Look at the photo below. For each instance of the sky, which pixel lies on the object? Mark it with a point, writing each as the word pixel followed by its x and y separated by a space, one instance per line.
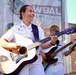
pixel 71 11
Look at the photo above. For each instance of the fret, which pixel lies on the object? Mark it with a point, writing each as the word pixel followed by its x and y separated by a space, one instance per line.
pixel 60 49
pixel 38 43
pixel 45 40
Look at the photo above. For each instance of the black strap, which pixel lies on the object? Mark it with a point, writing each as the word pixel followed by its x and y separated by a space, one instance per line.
pixel 57 42
pixel 35 32
pixel 54 48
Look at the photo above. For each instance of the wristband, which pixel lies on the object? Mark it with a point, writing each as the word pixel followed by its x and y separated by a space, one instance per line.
pixel 72 49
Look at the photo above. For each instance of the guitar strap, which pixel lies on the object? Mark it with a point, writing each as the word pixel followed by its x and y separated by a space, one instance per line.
pixel 57 42
pixel 35 32
pixel 54 48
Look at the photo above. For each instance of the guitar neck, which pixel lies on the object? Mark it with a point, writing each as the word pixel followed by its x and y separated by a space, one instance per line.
pixel 57 51
pixel 38 43
pixel 60 33
pixel 67 31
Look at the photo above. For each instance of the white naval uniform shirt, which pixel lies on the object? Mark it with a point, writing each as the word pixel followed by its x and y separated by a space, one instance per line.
pixel 57 68
pixel 23 30
pixel 60 54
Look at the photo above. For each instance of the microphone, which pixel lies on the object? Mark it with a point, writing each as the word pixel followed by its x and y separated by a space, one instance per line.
pixel 73 47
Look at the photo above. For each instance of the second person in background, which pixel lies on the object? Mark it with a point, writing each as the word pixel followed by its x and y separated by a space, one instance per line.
pixel 56 68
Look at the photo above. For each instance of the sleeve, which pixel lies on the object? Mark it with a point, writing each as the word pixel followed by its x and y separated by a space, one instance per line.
pixel 9 34
pixel 65 49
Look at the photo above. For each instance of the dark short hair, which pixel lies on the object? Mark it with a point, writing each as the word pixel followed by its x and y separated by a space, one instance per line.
pixel 55 27
pixel 23 9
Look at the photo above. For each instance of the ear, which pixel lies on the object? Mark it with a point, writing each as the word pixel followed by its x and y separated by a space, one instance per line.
pixel 22 13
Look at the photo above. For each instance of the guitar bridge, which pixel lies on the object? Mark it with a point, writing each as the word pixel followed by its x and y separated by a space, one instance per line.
pixel 19 57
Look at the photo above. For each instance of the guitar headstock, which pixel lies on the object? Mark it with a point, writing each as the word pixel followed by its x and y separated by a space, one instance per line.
pixel 69 30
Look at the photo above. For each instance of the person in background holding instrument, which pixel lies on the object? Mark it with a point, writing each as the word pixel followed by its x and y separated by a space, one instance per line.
pixel 55 67
pixel 25 29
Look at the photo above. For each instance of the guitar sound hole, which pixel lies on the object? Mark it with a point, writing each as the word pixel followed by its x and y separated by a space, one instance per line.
pixel 23 50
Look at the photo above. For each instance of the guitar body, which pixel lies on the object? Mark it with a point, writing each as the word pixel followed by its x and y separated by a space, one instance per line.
pixel 8 65
pixel 49 58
